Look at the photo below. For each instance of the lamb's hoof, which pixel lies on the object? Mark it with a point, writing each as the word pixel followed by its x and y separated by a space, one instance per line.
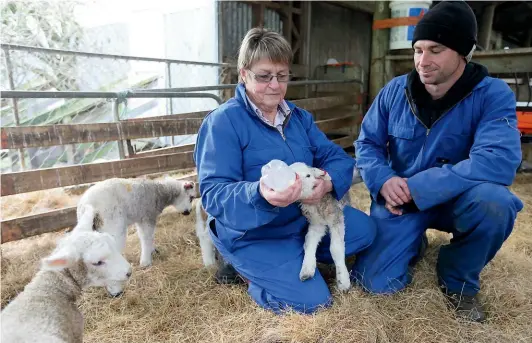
pixel 209 263
pixel 144 265
pixel 116 295
pixel 343 285
pixel 306 273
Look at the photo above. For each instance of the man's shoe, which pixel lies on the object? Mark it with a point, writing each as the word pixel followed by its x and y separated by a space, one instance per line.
pixel 226 273
pixel 466 307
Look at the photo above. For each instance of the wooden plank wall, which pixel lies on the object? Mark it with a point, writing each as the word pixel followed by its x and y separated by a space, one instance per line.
pixel 51 221
pixel 142 163
pixel 173 125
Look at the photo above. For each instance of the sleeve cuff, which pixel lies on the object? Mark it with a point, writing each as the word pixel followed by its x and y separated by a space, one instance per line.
pixel 376 189
pixel 258 200
pixel 340 187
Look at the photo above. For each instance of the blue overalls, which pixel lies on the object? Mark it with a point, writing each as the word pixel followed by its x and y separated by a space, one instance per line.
pixel 264 243
pixel 457 174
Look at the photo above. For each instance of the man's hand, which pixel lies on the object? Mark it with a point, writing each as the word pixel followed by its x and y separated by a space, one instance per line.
pixel 395 191
pixel 394 210
pixel 321 187
pixel 284 198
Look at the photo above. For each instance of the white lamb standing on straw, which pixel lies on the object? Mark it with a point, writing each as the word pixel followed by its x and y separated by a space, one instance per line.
pixel 46 310
pixel 116 203
pixel 327 214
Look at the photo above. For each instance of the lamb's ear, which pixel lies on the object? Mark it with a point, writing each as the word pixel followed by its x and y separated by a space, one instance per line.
pixel 58 260
pixel 188 185
pixel 321 174
pixel 317 172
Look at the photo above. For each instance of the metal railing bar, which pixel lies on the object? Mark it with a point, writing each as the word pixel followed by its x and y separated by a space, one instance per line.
pixel 113 56
pixel 94 95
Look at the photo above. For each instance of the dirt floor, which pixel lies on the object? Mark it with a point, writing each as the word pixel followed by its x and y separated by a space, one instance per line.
pixel 177 300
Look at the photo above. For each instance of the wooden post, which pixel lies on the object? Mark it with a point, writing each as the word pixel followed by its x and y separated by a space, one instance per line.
pixel 486 24
pixel 116 116
pixel 288 21
pixel 9 68
pixel 379 48
pixel 305 20
pixel 528 41
pixel 257 14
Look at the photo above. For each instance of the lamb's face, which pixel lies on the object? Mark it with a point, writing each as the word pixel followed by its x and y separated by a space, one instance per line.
pixel 183 203
pixel 106 266
pixel 93 259
pixel 308 176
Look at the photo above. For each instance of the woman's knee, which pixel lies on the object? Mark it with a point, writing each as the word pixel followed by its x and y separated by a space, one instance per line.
pixel 314 303
pixel 306 299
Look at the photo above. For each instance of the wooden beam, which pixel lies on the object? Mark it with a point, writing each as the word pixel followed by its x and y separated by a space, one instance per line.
pixel 295 31
pixel 336 123
pixel 379 48
pixel 51 221
pixel 528 39
pixel 172 125
pixel 35 180
pixel 315 104
pixel 276 6
pixel 486 24
pixel 345 142
pixel 287 21
pixel 80 189
pixel 305 25
pixel 49 135
pixel 363 6
pixel 257 14
pixel 297 46
pixel 164 151
pixel 36 224
pixel 517 60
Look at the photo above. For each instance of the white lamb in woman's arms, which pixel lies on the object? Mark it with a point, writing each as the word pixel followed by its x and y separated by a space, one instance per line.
pixel 327 214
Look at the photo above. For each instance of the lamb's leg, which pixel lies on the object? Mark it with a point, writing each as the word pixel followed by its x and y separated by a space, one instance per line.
pixel 118 229
pixel 121 238
pixel 337 249
pixel 312 239
pixel 206 245
pixel 146 232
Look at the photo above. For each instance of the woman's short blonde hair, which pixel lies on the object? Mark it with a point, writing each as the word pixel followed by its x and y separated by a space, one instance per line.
pixel 261 43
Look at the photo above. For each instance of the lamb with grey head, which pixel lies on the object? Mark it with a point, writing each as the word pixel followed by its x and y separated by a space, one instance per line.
pixel 116 203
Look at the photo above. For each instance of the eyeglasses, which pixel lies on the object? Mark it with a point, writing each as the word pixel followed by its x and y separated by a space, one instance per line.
pixel 266 78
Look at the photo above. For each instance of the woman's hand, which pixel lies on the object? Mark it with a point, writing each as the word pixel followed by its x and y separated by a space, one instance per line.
pixel 321 187
pixel 284 198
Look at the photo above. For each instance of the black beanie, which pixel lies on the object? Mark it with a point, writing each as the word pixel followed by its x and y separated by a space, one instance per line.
pixel 451 23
